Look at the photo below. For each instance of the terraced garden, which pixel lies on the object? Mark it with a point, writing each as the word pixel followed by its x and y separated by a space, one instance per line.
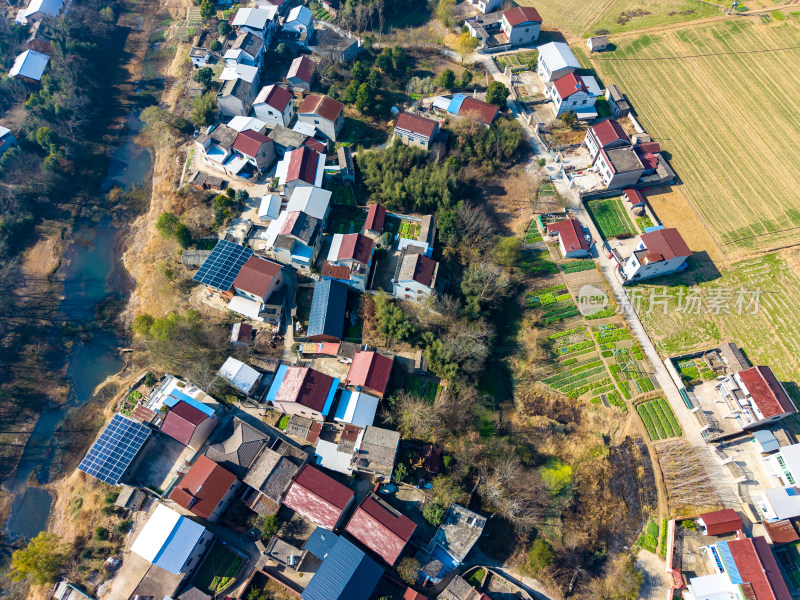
pixel 611 218
pixel 694 370
pixel 555 302
pixel 625 359
pixel 537 262
pixel 532 234
pixel 658 419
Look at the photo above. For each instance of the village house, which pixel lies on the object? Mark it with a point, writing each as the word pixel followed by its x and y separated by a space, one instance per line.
pixel 300 167
pixel 258 291
pixel 467 107
pixel 294 238
pixel 206 490
pixel 415 130
pixel 658 253
pixel 242 334
pixel 324 113
pixel 500 32
pixel 338 45
pixel 574 93
pixel 29 66
pixel 460 589
pixel 346 573
pixel 422 238
pixel 349 260
pixel 302 391
pixel 486 6
pixel 370 372
pixel 247 49
pixel 617 102
pixel 304 429
pixel 274 105
pixel 271 475
pixel 571 239
pixel 255 148
pixel 555 61
pixel 457 534
pixel 270 208
pixel 376 218
pixel 376 453
pixel 189 425
pixel 301 73
pixel 37 10
pixel 328 309
pixel 597 43
pixel 216 146
pixel 200 57
pixel 299 25
pixel 260 21
pixel 719 522
pixel 314 201
pixel 235 97
pixel 241 376
pixel 205 182
pixel 381 528
pixel 356 408
pixel 317 497
pixel 286 139
pixel 619 167
pixel 7 140
pixel 237 445
pixel 415 277
pixel 172 542
pixel 779 504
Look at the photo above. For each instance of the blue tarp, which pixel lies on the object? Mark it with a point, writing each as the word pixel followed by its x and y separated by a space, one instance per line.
pixel 455 104
pixel 654 228
pixel 276 383
pixel 176 396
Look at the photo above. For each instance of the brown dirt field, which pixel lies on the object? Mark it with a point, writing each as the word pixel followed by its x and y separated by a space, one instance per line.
pixel 43 258
pixel 674 210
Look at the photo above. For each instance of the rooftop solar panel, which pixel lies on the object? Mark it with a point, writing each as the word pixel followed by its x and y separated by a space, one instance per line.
pixel 222 266
pixel 115 449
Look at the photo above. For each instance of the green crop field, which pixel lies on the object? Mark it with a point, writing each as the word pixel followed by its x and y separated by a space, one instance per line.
pixel 658 419
pixel 722 98
pixel 610 217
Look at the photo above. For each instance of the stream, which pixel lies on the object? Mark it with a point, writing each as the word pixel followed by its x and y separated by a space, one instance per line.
pixel 92 271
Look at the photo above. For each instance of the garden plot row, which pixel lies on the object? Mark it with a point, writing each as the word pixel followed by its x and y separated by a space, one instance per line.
pixel 694 370
pixel 658 419
pixel 611 218
pixel 532 234
pixel 576 266
pixel 537 262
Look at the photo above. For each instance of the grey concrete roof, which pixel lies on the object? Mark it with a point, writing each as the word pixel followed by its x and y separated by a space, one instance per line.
pixel 459 531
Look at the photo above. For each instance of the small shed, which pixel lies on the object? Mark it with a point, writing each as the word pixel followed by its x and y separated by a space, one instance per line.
pixel 766 440
pixel 720 522
pixel 346 168
pixel 597 43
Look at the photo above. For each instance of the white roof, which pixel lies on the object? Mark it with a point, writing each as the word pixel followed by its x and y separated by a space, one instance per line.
pixel 245 307
pixel 592 85
pixel 300 13
pixel 255 18
pixel 155 533
pixel 336 243
pixel 241 124
pixel 766 440
pixel 557 55
pixel 4 131
pixel 784 506
pixel 273 229
pixel 442 102
pixel 360 410
pixel 240 375
pixel 713 587
pixel 270 207
pixel 48 7
pixel 30 64
pixel 791 456
pixel 245 72
pixel 282 168
pixel 329 457
pixel 305 128
pixel 311 200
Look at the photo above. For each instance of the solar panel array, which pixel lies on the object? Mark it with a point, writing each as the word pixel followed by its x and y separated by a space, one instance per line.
pixel 115 449
pixel 223 265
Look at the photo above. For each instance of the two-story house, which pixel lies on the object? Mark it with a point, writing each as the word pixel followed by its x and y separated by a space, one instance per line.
pixel 239 89
pixel 299 25
pixel 350 260
pixel 261 21
pixel 415 277
pixel 486 6
pixel 258 291
pixel 313 201
pixel 324 113
pixel 247 49
pixel 302 391
pixel 256 148
pixel 216 145
pixel 574 93
pixel 274 105
pixel 555 61
pixel 658 253
pixel 294 238
pixel 300 167
pixel 619 167
pixel 415 130
pixel 605 135
pixel 521 25
pixel 301 73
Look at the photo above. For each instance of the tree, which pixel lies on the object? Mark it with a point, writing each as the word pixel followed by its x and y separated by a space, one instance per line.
pixel 434 513
pixel 569 118
pixel 142 324
pixel 183 236
pixel 359 73
pixel 466 44
pixel 167 224
pixel 484 285
pixel 350 92
pixel 400 472
pixel 540 557
pixel 364 98
pixel 392 321
pixel 444 12
pixel 269 526
pixel 466 78
pixel 207 9
pixel 282 52
pixel 384 61
pixel 399 58
pixel 408 569
pixel 507 251
pixel 204 109
pixel 374 79
pixel 204 76
pixel 215 46
pixel 41 560
pixel 47 139
pixel 101 533
pixel 447 79
pixel 107 14
pixel 224 28
pixel 497 93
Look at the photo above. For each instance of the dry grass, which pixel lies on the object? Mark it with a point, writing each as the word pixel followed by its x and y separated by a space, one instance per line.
pixel 729 122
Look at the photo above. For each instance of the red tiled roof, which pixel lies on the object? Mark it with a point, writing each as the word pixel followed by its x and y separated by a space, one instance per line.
pixel 721 522
pixel 569 84
pixel 649 161
pixel 666 242
pixel 256 276
pixel 244 333
pixel 335 271
pixel 424 268
pixel 356 247
pixel 376 216
pixel 380 529
pixel 766 391
pixel 306 387
pixel 323 106
pixel 313 432
pixel 317 497
pixel 478 110
pixel 571 234
pixel 781 532
pixel 370 370
pixel 249 142
pixel 302 68
pixel 609 131
pixel 289 223
pixel 416 124
pixel 757 566
pixel 634 196
pixel 274 96
pixel 413 595
pixel 181 421
pixel 303 164
pixel 203 487
pixel 315 144
pixel 650 147
pixel 522 14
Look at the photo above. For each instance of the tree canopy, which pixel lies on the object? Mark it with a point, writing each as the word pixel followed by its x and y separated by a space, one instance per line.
pixel 41 561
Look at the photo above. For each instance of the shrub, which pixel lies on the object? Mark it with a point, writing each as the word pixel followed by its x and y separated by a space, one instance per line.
pixel 123 526
pixel 434 513
pixel 101 533
pixel 283 422
pixel 408 569
pixel 540 557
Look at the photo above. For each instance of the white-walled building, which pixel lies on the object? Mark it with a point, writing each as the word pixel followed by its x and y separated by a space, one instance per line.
pixel 555 61
pixel 274 105
pixel 574 93
pixel 658 253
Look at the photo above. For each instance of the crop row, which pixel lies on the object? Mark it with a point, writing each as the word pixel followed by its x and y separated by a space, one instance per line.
pixel 574 372
pixel 644 384
pixel 577 392
pixel 575 347
pixel 577 266
pixel 567 383
pixel 558 308
pixel 561 317
pixel 603 314
pixel 560 334
pixel 658 419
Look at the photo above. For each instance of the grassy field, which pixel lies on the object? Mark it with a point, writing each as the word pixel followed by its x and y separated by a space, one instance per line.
pixel 728 120
pixel 582 18
pixel 720 312
pixel 610 217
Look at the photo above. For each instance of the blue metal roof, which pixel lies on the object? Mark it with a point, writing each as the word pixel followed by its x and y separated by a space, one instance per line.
pixel 179 545
pixel 345 574
pixel 331 393
pixel 344 402
pixel 276 383
pixel 327 309
pixel 222 266
pixel 654 228
pixel 730 564
pixel 455 104
pixel 176 396
pixel 321 542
